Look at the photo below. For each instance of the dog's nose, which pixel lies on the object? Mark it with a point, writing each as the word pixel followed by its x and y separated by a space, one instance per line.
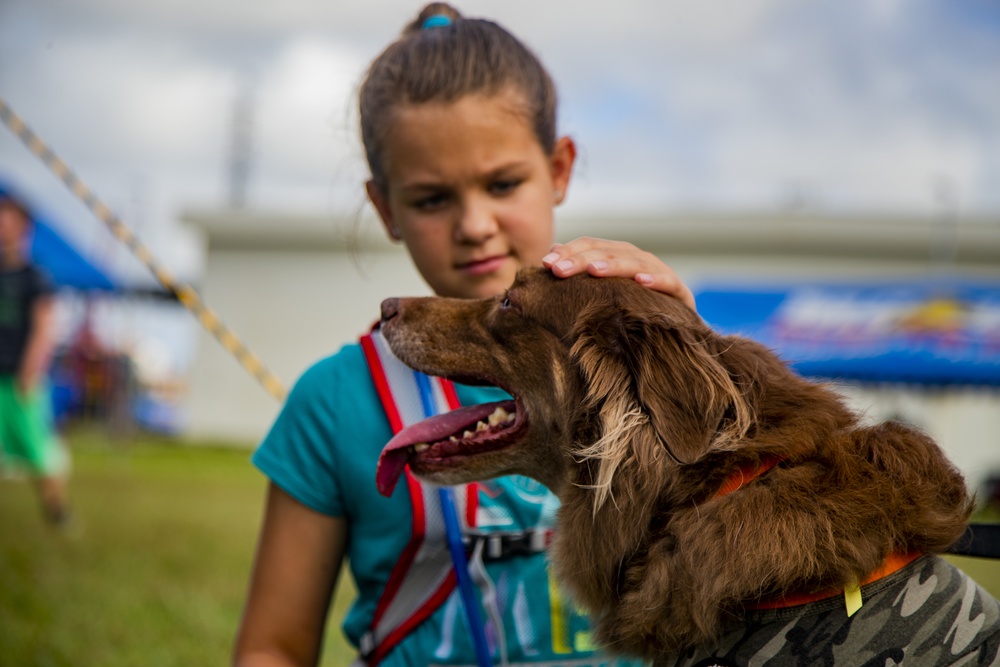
pixel 390 308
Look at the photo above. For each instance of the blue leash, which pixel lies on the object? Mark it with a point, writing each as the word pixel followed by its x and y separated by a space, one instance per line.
pixel 455 544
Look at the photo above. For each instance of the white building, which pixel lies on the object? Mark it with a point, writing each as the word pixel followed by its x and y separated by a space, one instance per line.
pixel 296 288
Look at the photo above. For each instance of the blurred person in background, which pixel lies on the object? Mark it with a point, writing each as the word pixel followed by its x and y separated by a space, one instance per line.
pixel 28 440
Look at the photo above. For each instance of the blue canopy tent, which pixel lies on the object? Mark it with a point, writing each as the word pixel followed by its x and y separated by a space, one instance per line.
pixel 918 332
pixel 64 264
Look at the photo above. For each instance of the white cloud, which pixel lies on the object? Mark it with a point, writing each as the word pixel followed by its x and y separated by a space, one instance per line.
pixel 852 104
pixel 305 112
pixel 715 103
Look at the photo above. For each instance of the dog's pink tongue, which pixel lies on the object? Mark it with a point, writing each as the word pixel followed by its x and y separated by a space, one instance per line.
pixel 396 454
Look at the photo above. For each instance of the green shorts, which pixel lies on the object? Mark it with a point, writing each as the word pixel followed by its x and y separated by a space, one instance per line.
pixel 27 439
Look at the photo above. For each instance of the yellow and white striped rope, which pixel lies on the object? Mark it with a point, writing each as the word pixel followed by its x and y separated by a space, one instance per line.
pixel 185 293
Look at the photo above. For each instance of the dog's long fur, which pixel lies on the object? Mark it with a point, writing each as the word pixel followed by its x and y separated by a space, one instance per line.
pixel 635 413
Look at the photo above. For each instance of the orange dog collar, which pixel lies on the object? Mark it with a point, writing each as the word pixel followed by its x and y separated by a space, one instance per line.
pixel 852 594
pixel 894 563
pixel 743 476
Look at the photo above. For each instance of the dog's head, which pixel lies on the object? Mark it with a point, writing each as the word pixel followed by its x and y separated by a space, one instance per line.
pixel 602 371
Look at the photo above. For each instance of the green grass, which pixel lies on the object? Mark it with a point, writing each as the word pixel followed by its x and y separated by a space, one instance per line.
pixel 158 575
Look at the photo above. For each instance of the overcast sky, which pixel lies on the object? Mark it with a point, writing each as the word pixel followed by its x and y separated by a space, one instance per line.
pixel 838 105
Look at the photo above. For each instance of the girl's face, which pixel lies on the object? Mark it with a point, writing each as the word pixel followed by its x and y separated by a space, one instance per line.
pixel 470 191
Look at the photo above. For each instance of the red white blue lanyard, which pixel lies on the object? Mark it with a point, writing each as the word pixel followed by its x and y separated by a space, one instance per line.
pixel 456 546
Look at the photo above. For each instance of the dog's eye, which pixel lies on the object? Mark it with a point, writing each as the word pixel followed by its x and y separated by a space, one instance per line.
pixel 507 303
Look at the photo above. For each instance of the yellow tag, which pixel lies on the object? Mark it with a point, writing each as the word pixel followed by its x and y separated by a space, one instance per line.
pixel 852 598
pixel 560 626
pixel 583 641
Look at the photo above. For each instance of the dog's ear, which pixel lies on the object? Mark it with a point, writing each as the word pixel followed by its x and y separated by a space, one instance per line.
pixel 669 373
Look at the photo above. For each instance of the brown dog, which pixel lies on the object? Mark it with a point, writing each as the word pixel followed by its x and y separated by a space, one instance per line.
pixel 715 506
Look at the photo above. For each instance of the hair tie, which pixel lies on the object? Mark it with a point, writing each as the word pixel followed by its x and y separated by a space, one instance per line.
pixel 436 21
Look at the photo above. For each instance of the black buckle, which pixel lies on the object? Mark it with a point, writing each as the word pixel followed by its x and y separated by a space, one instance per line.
pixel 980 540
pixel 501 545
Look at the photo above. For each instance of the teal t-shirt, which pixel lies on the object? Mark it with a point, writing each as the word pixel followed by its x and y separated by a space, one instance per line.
pixel 323 450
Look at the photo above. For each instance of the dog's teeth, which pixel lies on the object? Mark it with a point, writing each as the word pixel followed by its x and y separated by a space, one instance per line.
pixel 480 427
pixel 509 417
pixel 498 416
pixel 468 434
pixel 453 438
pixel 421 447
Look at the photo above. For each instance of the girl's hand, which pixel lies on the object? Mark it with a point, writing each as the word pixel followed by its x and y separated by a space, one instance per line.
pixel 603 258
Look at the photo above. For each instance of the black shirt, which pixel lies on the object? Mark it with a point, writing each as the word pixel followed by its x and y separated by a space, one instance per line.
pixel 20 290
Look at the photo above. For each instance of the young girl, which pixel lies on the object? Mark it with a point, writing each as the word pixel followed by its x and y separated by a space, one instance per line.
pixel 458 123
